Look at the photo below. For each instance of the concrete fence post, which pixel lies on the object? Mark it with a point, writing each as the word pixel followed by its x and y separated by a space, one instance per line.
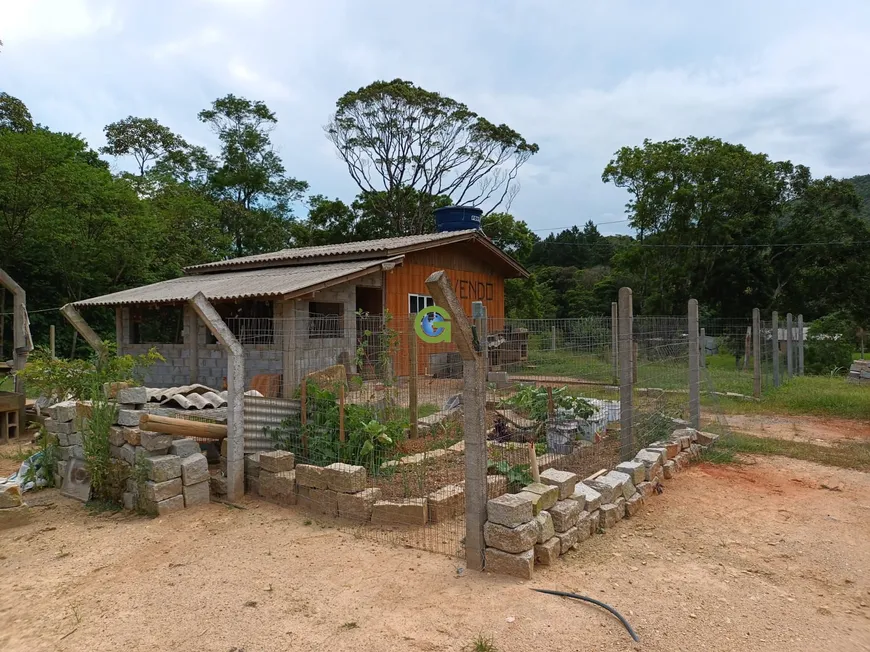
pixel 473 419
pixel 694 367
pixel 614 339
pixel 235 394
pixel 774 330
pixel 756 353
pixel 553 344
pixel 789 345
pixel 626 340
pixel 800 335
pixel 703 346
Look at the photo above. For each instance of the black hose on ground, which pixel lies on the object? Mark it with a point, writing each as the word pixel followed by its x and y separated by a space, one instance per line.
pixel 596 602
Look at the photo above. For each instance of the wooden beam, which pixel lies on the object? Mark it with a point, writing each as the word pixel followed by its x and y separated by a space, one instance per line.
pixel 439 288
pixel 182 427
pixel 83 328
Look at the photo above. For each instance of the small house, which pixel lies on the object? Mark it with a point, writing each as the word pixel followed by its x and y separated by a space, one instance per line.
pixel 303 309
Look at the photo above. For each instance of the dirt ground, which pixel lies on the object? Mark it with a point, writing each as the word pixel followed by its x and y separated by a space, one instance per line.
pixel 822 431
pixel 751 557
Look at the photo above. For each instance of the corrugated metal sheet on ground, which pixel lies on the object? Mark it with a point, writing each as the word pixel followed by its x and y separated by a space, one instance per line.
pixel 275 281
pixel 191 397
pixel 262 413
pixel 348 248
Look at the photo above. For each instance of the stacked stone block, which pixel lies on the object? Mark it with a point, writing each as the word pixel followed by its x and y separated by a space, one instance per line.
pixel 562 512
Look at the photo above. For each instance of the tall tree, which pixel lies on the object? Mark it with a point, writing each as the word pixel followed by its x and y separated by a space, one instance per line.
pixel 14 114
pixel 145 139
pixel 395 136
pixel 249 179
pixel 509 234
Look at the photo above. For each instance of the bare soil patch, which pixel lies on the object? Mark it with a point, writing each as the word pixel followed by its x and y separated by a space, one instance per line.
pixel 822 431
pixel 752 557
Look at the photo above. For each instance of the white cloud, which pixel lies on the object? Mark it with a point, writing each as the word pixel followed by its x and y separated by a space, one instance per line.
pixel 50 19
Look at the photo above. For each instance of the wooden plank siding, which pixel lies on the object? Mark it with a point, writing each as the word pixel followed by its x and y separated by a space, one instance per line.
pixel 472 278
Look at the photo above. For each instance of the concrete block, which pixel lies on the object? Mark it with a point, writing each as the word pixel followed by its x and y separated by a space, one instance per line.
pixel 184 447
pixel 607 516
pixel 634 504
pixel 252 465
pixel 563 480
pixel 343 478
pixel 10 496
pixel 620 508
pixel 496 485
pixel 14 517
pixel 549 495
pixel 412 511
pixel 62 412
pixel 163 467
pixel 134 395
pixel 548 552
pixel 707 438
pixel 358 506
pixel 510 510
pixel 128 418
pixel 115 452
pixel 278 487
pixel 634 470
pixel 132 436
pixel 321 501
pixel 504 563
pixel 627 484
pixel 116 436
pixel 445 504
pixel 129 500
pixel 218 485
pixel 77 452
pixel 194 469
pixel 685 433
pixel 587 524
pixel 565 514
pixel 685 441
pixel 661 452
pixel 157 491
pixel 58 427
pixel 669 469
pixel 536 499
pixel 609 486
pixel 72 439
pixel 164 507
pixel 308 475
pixel 567 539
pixel 155 441
pixel 277 461
pixel 594 520
pixel 196 494
pixel 646 489
pixel 546 530
pixel 128 454
pixel 652 462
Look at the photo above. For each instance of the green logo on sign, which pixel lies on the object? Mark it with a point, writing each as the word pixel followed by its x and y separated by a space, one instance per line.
pixel 432 325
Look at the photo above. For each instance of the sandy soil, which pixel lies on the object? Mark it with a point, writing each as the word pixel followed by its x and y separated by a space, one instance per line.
pixel 821 431
pixel 755 557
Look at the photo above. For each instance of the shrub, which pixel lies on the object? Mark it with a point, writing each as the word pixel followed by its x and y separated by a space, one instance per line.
pixel 829 345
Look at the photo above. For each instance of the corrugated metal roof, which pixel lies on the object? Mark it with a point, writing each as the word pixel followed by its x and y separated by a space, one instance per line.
pixel 387 245
pixel 273 281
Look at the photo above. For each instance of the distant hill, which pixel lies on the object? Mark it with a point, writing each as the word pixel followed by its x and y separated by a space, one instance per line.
pixel 862 186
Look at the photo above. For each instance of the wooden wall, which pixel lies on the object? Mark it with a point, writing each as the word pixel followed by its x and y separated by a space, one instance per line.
pixel 472 278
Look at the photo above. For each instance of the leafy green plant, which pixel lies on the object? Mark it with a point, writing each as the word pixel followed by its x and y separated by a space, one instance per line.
pixel 76 378
pixel 829 346
pixel 481 644
pixel 533 402
pixel 517 475
pixel 373 433
pixel 95 441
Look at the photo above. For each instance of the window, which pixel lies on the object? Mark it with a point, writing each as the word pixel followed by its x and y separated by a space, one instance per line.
pixel 417 302
pixel 250 321
pixel 156 324
pixel 325 320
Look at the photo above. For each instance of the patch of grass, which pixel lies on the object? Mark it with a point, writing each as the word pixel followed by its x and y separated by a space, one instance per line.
pixel 825 396
pixel 350 625
pixel 847 456
pixel 482 644
pixel 19 455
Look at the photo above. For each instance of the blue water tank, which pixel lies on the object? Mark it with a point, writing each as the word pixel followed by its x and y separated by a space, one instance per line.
pixel 457 218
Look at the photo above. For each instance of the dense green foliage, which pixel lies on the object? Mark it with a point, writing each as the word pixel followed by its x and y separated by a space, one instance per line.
pixel 829 346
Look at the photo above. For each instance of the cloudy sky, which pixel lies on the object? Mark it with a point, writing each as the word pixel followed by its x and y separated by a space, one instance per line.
pixel 581 78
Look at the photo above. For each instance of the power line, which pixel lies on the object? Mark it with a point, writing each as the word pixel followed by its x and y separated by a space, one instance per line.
pixel 715 246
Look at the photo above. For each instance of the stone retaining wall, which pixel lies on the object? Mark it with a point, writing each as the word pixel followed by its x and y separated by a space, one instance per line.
pixel 548 519
pixel 158 473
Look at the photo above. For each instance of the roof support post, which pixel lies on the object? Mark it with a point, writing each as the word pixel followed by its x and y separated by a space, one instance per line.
pixel 235 394
pixel 473 418
pixel 21 341
pixel 84 329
